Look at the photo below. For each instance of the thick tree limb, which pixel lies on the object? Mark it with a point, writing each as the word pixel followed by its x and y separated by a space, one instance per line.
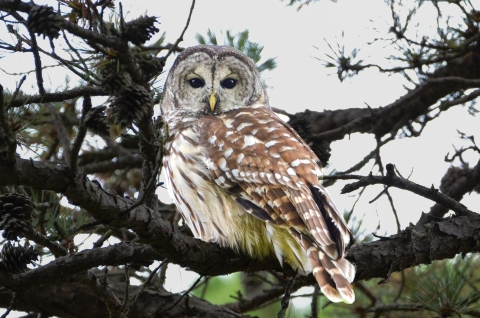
pixel 464 181
pixel 64 267
pixel 460 73
pixel 376 259
pixel 122 162
pixel 148 224
pixel 74 300
pixel 437 241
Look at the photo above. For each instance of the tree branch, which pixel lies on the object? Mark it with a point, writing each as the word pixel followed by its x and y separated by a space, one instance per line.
pixel 460 73
pixel 58 96
pixel 401 183
pixel 456 183
pixel 437 241
pixel 446 238
pixel 72 300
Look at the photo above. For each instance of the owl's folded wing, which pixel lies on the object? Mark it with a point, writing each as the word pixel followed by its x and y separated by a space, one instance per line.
pixel 273 174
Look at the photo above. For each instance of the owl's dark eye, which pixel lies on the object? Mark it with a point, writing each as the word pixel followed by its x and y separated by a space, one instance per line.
pixel 228 83
pixel 196 82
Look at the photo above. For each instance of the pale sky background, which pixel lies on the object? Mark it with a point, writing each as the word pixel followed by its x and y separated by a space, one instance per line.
pixel 301 82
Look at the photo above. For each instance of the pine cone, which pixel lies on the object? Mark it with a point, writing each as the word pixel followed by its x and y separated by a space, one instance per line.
pixel 96 121
pixel 15 215
pixel 16 258
pixel 151 66
pixel 115 82
pixel 132 104
pixel 140 30
pixel 43 20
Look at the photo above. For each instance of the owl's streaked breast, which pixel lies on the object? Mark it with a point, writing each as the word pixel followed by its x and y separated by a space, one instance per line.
pixel 202 203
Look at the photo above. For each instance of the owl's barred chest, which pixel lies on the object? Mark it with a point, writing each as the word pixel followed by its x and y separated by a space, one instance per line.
pixel 208 209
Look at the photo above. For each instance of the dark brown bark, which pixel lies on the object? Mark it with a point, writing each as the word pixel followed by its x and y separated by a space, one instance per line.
pixel 148 224
pixel 75 300
pixel 436 241
pixel 378 259
pixel 372 260
pixel 321 128
pixel 464 181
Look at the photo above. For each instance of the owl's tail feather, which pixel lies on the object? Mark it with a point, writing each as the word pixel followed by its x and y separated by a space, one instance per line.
pixel 333 277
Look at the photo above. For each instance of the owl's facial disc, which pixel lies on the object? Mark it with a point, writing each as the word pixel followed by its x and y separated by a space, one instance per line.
pixel 213 80
pixel 219 86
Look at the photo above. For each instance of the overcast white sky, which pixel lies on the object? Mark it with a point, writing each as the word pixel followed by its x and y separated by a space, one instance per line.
pixel 302 82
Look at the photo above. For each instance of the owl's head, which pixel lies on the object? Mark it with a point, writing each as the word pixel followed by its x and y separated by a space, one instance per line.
pixel 211 80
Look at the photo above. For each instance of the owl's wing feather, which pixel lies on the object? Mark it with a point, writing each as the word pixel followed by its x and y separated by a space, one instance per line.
pixel 318 225
pixel 334 221
pixel 333 277
pixel 275 177
pixel 255 210
pixel 275 170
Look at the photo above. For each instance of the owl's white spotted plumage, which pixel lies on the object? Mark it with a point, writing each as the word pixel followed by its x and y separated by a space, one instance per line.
pixel 243 178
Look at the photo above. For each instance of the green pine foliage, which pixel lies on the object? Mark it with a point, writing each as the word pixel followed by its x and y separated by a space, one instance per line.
pixel 241 42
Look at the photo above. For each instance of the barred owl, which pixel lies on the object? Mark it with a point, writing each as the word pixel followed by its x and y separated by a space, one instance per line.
pixel 243 178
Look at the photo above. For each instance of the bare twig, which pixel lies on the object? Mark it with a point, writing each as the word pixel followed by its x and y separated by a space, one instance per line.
pixel 379 195
pixel 38 63
pixel 38 238
pixel 445 105
pixel 367 292
pixel 103 238
pixel 58 96
pixel 17 90
pixel 395 307
pixel 184 294
pixel 85 227
pixel 286 298
pixel 151 183
pixel 398 182
pixel 103 291
pixel 314 303
pixel 159 48
pixel 79 57
pixel 180 38
pixel 61 132
pixel 162 276
pixel 125 291
pixel 144 286
pixel 390 199
pixel 82 132
pixel 402 286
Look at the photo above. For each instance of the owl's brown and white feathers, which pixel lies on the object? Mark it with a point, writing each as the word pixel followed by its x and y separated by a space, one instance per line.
pixel 243 178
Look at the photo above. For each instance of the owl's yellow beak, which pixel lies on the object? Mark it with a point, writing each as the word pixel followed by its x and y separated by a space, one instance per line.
pixel 212 101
